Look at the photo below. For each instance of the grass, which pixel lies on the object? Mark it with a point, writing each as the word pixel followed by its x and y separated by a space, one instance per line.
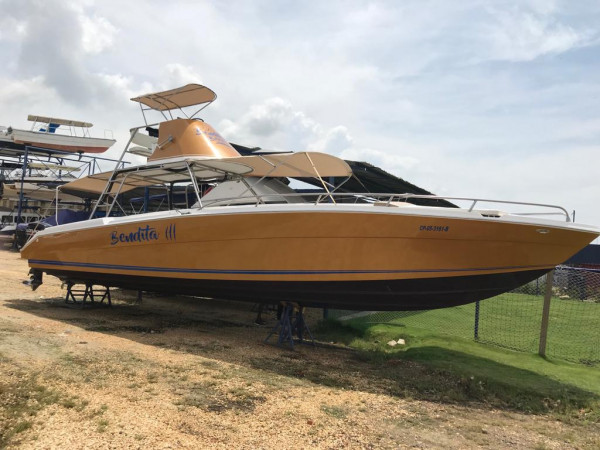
pixel 440 367
pixel 102 425
pixel 22 398
pixel 22 426
pixel 335 411
pixel 152 377
pixel 513 321
pixel 574 329
pixel 209 397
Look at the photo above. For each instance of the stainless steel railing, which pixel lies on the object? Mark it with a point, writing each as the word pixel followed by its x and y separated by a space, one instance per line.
pixel 387 199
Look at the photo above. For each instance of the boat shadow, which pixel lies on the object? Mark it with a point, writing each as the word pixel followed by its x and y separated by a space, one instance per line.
pixel 224 332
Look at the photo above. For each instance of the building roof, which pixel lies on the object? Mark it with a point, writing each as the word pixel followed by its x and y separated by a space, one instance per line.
pixel 375 179
pixel 588 255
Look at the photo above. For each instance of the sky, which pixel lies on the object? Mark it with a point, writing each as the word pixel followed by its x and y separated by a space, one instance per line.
pixel 486 99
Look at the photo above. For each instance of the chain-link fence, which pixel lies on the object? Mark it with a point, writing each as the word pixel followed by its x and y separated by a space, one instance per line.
pixel 514 320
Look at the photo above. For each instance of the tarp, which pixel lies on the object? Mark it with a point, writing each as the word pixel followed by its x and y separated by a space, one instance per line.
pixel 370 178
pixel 65 216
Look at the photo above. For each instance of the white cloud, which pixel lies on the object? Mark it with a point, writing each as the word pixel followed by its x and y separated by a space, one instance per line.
pixel 518 35
pixel 21 91
pixel 271 116
pixel 276 122
pixel 458 97
pixel 98 34
pixel 25 96
pixel 12 28
pixel 544 7
pixel 175 74
pixel 335 141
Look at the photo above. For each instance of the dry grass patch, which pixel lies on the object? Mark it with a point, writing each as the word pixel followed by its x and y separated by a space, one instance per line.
pixel 22 396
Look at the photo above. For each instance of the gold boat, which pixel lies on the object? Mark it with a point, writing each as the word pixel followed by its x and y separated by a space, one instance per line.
pixel 253 238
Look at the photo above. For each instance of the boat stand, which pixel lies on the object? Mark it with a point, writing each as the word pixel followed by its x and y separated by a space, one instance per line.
pixel 80 296
pixel 291 322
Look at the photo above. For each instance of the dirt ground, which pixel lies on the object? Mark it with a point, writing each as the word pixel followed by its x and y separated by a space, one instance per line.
pixel 193 373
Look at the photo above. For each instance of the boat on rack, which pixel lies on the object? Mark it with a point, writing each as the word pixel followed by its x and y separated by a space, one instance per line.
pixel 46 133
pixel 7 233
pixel 250 236
pixel 35 191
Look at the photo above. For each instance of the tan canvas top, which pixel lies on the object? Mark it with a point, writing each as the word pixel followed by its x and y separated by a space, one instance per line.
pixel 155 175
pixel 296 165
pixel 71 123
pixel 188 95
pixel 293 165
pixel 95 185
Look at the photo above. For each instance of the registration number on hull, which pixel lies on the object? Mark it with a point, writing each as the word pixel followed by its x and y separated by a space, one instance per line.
pixel 439 228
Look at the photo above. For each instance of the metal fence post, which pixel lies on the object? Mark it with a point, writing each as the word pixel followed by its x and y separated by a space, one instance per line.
pixel 546 313
pixel 476 328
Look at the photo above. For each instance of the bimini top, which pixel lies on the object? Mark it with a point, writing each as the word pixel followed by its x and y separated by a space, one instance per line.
pixel 292 165
pixel 71 123
pixel 188 95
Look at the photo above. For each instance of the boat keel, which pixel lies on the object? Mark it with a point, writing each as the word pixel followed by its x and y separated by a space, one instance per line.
pixel 375 295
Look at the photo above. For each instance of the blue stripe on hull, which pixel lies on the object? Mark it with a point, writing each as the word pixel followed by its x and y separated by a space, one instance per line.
pixel 264 272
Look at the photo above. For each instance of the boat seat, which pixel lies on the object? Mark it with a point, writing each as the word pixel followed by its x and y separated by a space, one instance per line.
pixel 51 128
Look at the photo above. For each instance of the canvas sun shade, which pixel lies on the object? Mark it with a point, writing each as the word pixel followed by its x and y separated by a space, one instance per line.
pixel 72 123
pixel 291 165
pixel 188 95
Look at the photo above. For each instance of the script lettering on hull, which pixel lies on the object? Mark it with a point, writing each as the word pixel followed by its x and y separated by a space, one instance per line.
pixel 143 234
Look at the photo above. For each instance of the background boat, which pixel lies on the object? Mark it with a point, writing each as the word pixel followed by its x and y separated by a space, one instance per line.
pixel 45 134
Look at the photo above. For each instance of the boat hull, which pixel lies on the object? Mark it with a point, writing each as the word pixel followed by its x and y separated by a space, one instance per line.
pixel 332 256
pixel 380 295
pixel 62 142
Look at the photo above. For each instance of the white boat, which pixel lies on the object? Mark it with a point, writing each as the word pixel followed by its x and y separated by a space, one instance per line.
pixel 7 233
pixel 53 168
pixel 37 192
pixel 45 133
